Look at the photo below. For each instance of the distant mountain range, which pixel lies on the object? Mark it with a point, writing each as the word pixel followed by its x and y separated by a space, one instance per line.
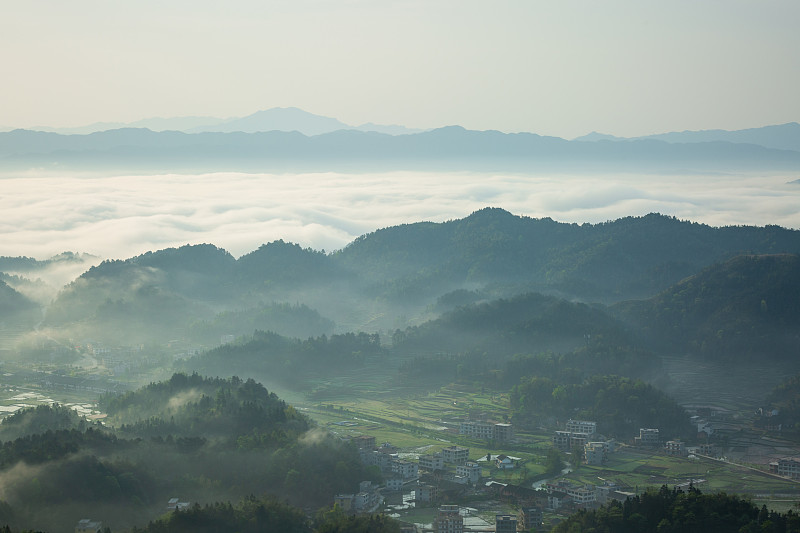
pixel 779 137
pixel 449 148
pixel 275 119
pixel 289 119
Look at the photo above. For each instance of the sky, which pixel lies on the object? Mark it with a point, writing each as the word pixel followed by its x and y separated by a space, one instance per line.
pixel 560 67
pixel 116 217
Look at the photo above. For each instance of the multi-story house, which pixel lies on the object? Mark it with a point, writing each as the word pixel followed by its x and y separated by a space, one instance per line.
pixel 675 447
pixel 581 426
pixel 648 437
pixel 505 523
pixel 448 520
pixel 431 462
pixel 470 472
pixel 406 469
pixel 455 455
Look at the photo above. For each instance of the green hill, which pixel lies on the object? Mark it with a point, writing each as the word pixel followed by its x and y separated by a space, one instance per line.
pixel 667 511
pixel 747 306
pixel 395 276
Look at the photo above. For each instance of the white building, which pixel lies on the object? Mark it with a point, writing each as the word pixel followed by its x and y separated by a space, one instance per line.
pixel 581 426
pixel 394 483
pixel 431 462
pixel 648 437
pixel 786 467
pixel 455 455
pixel 448 520
pixel 487 431
pixel 675 447
pixel 478 430
pixel 594 453
pixel 406 469
pixel 470 471
pixel 581 495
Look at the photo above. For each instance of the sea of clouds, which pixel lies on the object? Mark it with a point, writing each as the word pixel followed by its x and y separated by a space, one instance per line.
pixel 122 216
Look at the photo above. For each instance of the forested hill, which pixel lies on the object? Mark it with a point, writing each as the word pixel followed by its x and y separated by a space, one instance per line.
pixel 202 439
pixel 403 269
pixel 194 406
pixel 14 305
pixel 607 260
pixel 675 511
pixel 627 258
pixel 527 323
pixel 749 305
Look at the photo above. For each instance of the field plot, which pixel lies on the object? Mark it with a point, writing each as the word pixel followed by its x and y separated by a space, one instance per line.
pixel 638 470
pixel 424 423
pixel 729 388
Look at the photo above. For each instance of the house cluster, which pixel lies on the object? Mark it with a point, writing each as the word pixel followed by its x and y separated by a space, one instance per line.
pixel 580 436
pixel 489 431
pixel 366 500
pixel 597 452
pixel 576 434
pixel 385 457
pixel 565 495
pixel 450 519
pixel 562 496
pixel 562 492
pixel 452 464
pixel 650 437
pixel 786 467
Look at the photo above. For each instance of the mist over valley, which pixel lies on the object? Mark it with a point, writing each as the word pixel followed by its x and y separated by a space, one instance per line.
pixel 243 336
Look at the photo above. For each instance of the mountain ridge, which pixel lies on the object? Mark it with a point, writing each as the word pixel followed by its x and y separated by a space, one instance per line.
pixel 452 147
pixel 272 119
pixel 777 136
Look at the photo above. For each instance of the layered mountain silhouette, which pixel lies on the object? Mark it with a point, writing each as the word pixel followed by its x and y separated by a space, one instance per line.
pixel 450 148
pixel 407 269
pixel 274 119
pixel 747 306
pixel 779 137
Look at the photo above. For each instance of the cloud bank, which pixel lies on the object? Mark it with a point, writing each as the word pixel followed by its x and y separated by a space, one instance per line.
pixel 122 216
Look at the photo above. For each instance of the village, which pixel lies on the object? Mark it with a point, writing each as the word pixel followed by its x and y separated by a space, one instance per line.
pixel 458 489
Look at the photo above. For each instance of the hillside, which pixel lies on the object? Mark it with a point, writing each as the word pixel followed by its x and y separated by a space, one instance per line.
pixel 14 306
pixel 747 306
pixel 527 323
pixel 204 439
pixel 399 271
pixel 632 257
pixel 678 511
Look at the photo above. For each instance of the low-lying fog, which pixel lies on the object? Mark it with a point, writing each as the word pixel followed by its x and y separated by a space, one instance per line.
pixel 122 216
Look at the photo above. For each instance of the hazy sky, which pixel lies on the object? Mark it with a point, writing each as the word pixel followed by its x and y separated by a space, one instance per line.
pixel 123 216
pixel 561 67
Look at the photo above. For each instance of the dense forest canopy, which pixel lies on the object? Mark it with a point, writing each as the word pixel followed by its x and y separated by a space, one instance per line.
pixel 747 306
pixel 206 439
pixel 681 512
pixel 400 271
pixel 619 405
